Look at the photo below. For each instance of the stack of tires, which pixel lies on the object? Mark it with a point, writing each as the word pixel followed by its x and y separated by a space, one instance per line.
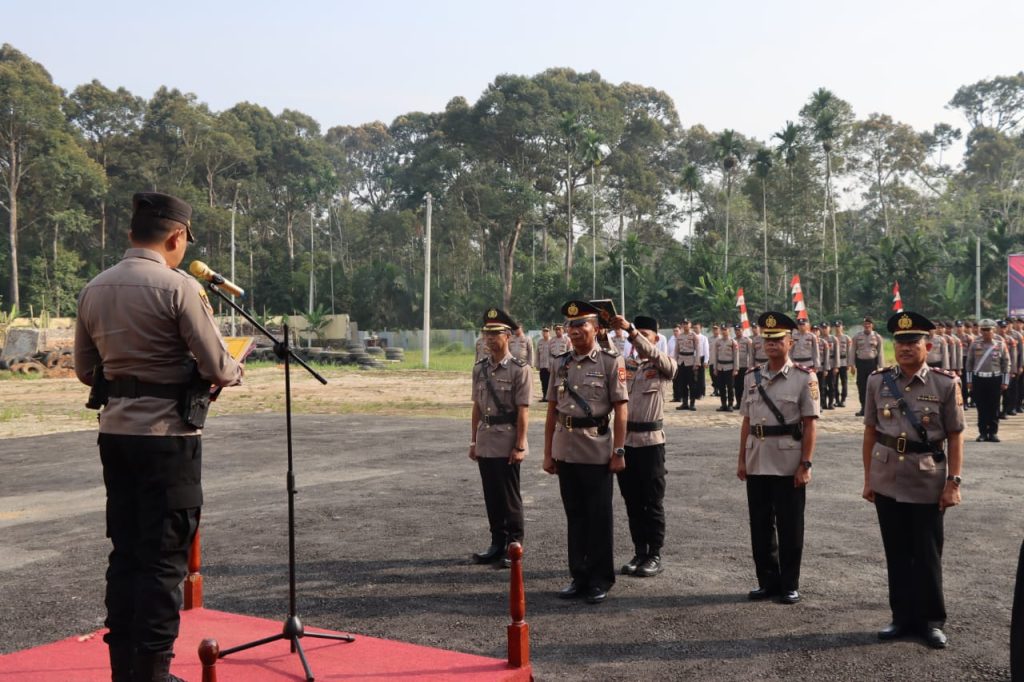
pixel 359 355
pixel 394 354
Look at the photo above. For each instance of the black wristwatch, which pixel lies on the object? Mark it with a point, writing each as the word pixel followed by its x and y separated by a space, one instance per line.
pixel 806 464
pixel 619 452
pixel 956 480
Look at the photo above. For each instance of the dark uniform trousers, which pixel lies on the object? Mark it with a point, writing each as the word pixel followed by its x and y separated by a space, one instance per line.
pixel 153 498
pixel 642 484
pixel 677 384
pixel 502 498
pixel 776 530
pixel 587 497
pixel 702 384
pixel 687 377
pixel 725 387
pixel 841 385
pixel 823 388
pixel 864 369
pixel 737 385
pixel 1010 398
pixel 912 538
pixel 985 391
pixel 545 375
pixel 1017 623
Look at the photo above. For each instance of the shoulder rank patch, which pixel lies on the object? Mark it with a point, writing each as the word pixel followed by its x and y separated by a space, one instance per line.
pixel 622 375
pixel 613 351
pixel 944 372
pixel 808 370
pixel 880 371
pixel 521 363
pixel 560 355
pixel 481 361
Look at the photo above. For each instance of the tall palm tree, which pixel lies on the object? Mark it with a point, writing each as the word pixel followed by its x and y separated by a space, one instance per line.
pixel 690 182
pixel 762 165
pixel 729 150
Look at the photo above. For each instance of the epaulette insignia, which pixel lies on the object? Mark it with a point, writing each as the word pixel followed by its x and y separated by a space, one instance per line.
pixel 880 371
pixel 562 354
pixel 481 360
pixel 944 372
pixel 614 352
pixel 808 370
pixel 520 362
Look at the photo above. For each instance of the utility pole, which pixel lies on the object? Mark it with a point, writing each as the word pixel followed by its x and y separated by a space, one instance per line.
pixel 977 278
pixel 426 287
pixel 622 268
pixel 234 210
pixel 593 232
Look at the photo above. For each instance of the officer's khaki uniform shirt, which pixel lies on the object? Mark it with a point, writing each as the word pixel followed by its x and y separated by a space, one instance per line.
pixel 557 347
pixel 1019 339
pixel 687 349
pixel 939 353
pixel 843 341
pixel 723 355
pixel 145 320
pixel 1011 353
pixel 868 347
pixel 805 350
pixel 512 385
pixel 757 341
pixel 618 342
pixel 543 353
pixel 481 349
pixel 794 391
pixel 824 354
pixel 989 364
pixel 521 348
pixel 744 353
pixel 934 396
pixel 599 377
pixel 648 372
pixel 956 352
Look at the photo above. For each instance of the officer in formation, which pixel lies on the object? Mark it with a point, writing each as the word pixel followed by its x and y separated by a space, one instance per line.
pixel 744 363
pixel 521 346
pixel 723 363
pixel 964 338
pixel 642 483
pixel 688 359
pixel 845 344
pixel 805 351
pixel 757 341
pixel 987 373
pixel 673 345
pixel 716 333
pixel 913 454
pixel 146 341
pixel 1013 348
pixel 544 360
pixel 824 370
pixel 832 376
pixel 868 355
pixel 705 355
pixel 584 439
pixel 938 349
pixel 498 425
pixel 777 440
pixel 559 344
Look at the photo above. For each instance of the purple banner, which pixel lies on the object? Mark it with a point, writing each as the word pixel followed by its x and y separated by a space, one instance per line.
pixel 1015 284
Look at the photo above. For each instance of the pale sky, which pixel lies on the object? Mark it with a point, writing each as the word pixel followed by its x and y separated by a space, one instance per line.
pixel 744 65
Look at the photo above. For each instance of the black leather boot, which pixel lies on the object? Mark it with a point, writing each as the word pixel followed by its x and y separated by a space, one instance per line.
pixel 121 662
pixel 153 667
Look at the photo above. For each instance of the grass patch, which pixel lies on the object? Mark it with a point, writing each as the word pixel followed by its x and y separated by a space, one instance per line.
pixel 9 413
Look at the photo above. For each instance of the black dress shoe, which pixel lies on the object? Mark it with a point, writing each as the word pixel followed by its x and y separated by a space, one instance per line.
pixel 693 408
pixel 504 563
pixel 650 567
pixel 859 413
pixel 723 408
pixel 980 439
pixel 596 595
pixel 571 591
pixel 761 593
pixel 935 638
pixel 789 597
pixel 891 631
pixel 629 568
pixel 994 439
pixel 681 407
pixel 489 555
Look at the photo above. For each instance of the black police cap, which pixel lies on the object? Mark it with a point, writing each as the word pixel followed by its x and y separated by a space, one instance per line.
pixel 909 326
pixel 644 322
pixel 579 310
pixel 146 205
pixel 497 320
pixel 775 325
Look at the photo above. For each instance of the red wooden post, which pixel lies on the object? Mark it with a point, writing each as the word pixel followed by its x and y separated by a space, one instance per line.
pixel 209 650
pixel 194 580
pixel 519 630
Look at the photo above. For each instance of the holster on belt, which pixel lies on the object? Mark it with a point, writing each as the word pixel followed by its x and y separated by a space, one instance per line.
pixel 194 404
pixel 98 392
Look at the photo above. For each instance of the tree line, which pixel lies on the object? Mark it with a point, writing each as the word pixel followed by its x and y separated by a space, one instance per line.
pixel 533 184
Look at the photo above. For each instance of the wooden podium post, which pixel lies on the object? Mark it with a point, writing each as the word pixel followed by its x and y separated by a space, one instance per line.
pixel 194 580
pixel 519 630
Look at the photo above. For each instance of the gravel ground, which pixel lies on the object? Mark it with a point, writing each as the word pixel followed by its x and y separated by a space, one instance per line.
pixel 389 509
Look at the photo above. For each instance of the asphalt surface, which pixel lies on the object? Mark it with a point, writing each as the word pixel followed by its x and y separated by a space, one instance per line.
pixel 389 510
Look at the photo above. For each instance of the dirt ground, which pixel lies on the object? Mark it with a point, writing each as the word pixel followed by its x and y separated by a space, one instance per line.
pixel 389 510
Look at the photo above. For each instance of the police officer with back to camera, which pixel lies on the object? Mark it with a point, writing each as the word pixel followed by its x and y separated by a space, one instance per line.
pixel 780 411
pixel 987 373
pixel 868 354
pixel 147 343
pixel 584 439
pixel 498 423
pixel 642 483
pixel 913 453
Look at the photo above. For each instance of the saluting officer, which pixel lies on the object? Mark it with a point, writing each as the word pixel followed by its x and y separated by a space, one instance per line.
pixel 642 483
pixel 744 362
pixel 149 328
pixel 987 373
pixel 913 453
pixel 584 438
pixel 544 360
pixel 845 344
pixel 777 440
pixel 867 356
pixel 723 359
pixel 501 400
pixel 688 358
pixel 805 351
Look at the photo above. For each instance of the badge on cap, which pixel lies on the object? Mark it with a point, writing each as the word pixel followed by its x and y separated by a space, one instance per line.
pixel 492 313
pixel 572 309
pixel 905 322
pixel 770 321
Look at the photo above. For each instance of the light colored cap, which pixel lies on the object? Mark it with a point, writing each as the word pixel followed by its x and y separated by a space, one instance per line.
pixel 987 324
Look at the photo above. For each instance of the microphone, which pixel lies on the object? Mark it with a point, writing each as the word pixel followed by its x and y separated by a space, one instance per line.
pixel 201 270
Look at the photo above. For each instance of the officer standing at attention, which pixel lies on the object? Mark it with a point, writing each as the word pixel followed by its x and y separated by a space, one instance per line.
pixel 705 355
pixel 642 483
pixel 825 368
pixel 744 362
pixel 938 350
pixel 723 354
pixel 805 346
pixel 844 342
pixel 777 440
pixel 757 341
pixel 501 409
pixel 912 411
pixel 1010 394
pixel 867 356
pixel 521 346
pixel 544 361
pixel 144 337
pixel 987 373
pixel 584 439
pixel 559 344
pixel 687 358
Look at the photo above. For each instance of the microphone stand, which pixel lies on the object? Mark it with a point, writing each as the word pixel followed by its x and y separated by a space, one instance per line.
pixel 293 630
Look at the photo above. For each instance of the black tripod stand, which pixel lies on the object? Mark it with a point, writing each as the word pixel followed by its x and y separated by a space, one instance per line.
pixel 293 630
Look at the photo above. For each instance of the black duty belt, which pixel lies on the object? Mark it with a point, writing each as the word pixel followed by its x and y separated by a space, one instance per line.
pixel 724 364
pixel 492 420
pixel 760 359
pixel 802 359
pixel 642 427
pixel 761 431
pixel 902 445
pixel 571 422
pixel 686 354
pixel 130 387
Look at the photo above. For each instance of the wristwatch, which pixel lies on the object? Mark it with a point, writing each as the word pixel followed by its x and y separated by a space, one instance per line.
pixel 956 480
pixel 806 464
pixel 619 452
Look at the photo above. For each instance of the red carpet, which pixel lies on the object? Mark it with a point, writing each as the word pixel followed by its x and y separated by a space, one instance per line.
pixel 84 659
